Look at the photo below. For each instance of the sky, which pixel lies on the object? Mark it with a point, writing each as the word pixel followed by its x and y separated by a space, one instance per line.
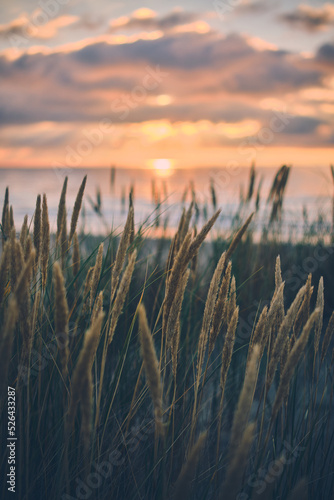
pixel 158 85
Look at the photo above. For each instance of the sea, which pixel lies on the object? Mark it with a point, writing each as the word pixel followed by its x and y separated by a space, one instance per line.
pixel 160 194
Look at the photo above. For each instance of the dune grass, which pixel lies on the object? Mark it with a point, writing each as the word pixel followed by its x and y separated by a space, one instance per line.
pixel 184 368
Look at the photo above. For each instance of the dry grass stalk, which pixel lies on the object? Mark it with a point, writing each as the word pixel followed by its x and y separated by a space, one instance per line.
pixel 245 400
pixel 171 255
pixel 11 217
pixel 6 339
pixel 7 226
pixel 228 350
pixel 84 367
pixel 24 233
pixel 35 312
pixel 132 234
pixel 88 282
pixel 285 353
pixel 25 276
pixel 176 242
pixel 282 335
pixel 76 255
pixel 177 270
pixel 237 464
pixel 226 361
pixel 273 317
pixel 45 243
pixel 259 336
pixel 76 210
pixel 61 318
pixel 188 471
pixel 28 248
pixel 98 307
pixel 276 303
pixel 278 273
pixel 96 275
pixel 178 238
pixel 22 294
pixel 304 310
pixel 175 310
pixel 121 252
pixel 219 313
pixel 151 367
pixel 232 300
pixel 291 363
pixel 63 241
pixel 87 289
pixel 15 261
pixel 237 237
pixel 198 240
pixel 279 306
pixel 19 257
pixel 208 314
pixel 327 337
pixel 4 214
pixel 37 227
pixel 4 268
pixel 319 305
pixel 17 264
pixel 173 324
pixel 184 225
pixel 122 292
pixel 61 214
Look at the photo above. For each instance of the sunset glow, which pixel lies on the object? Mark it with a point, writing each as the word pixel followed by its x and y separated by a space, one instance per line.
pixel 162 166
pixel 170 83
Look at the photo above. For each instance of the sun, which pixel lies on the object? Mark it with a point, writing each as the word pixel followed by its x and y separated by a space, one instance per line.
pixel 163 166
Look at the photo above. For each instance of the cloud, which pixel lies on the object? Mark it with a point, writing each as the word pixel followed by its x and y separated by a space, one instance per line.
pixel 206 77
pixel 311 19
pixel 38 26
pixel 146 19
pixel 254 6
pixel 326 53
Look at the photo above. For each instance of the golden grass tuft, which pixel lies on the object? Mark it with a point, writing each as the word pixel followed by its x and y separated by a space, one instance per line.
pixel 61 214
pixel 4 268
pixel 283 333
pixel 122 292
pixel 83 369
pixel 151 367
pixel 76 210
pixel 242 411
pixel 320 304
pixel 173 324
pixel 292 361
pixel 37 227
pixel 61 318
pixel 76 255
pixel 208 314
pixel 45 242
pixel 121 252
pixel 96 275
pixel 220 310
pixel 228 349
